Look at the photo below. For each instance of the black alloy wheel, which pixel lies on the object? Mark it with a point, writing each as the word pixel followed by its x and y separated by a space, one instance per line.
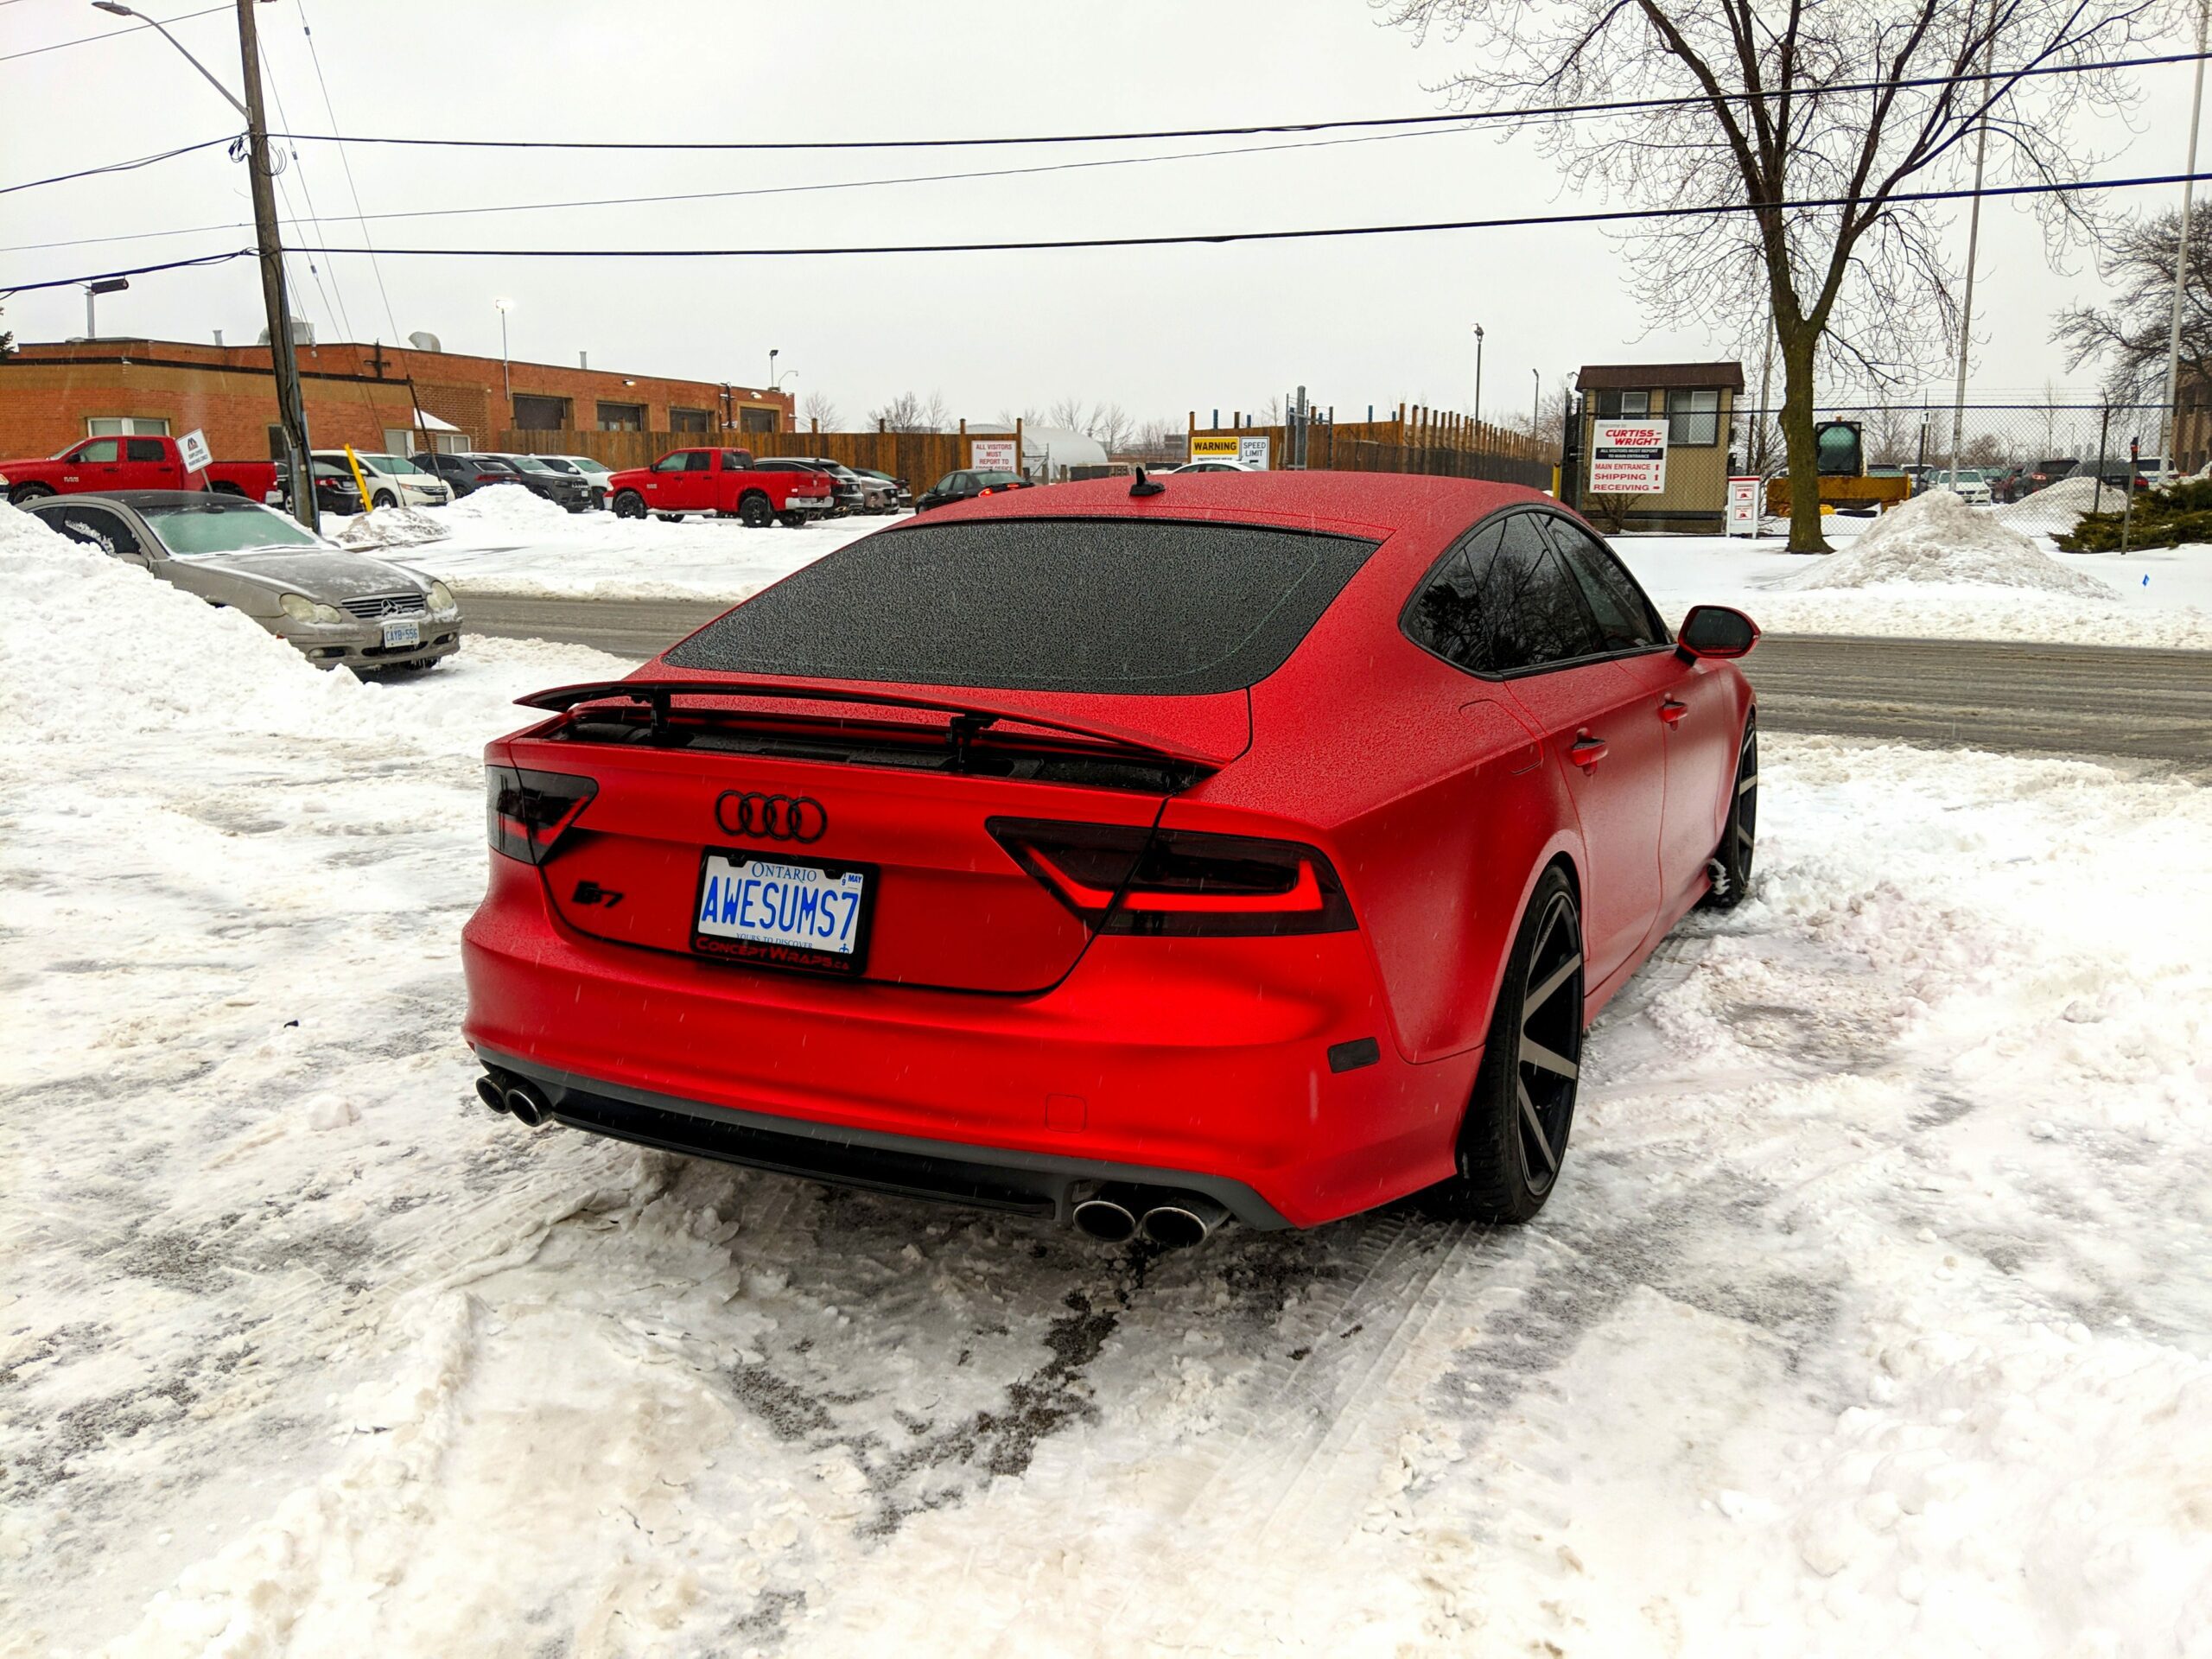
pixel 754 513
pixel 629 505
pixel 1513 1139
pixel 1732 859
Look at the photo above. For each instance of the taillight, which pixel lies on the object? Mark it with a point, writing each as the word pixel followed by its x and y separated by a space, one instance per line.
pixel 526 813
pixel 1183 883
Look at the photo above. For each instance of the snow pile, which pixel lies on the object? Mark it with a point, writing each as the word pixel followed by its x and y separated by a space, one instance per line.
pixel 504 510
pixel 365 532
pixel 1937 538
pixel 2060 506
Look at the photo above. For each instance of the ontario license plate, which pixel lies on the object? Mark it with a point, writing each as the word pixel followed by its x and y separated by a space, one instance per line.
pixel 781 911
pixel 403 633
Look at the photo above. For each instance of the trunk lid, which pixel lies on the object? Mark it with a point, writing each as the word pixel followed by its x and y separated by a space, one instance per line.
pixel 700 783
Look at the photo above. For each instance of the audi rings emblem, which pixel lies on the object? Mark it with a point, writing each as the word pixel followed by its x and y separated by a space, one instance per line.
pixel 772 817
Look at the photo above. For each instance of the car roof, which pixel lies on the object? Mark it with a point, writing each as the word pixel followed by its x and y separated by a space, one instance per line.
pixel 222 500
pixel 1386 502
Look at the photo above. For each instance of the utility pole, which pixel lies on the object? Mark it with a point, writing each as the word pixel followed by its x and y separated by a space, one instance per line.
pixel 2172 419
pixel 1478 372
pixel 1973 239
pixel 291 408
pixel 1537 407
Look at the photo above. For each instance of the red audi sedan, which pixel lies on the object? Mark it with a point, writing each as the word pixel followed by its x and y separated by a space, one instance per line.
pixel 1244 845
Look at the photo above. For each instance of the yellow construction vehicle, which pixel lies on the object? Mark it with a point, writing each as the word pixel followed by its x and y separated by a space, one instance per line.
pixel 1846 484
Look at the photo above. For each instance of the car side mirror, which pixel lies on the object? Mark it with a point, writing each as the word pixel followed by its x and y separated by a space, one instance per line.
pixel 1715 630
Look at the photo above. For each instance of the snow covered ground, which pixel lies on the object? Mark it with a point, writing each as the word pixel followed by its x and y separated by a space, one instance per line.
pixel 506 540
pixel 1874 1313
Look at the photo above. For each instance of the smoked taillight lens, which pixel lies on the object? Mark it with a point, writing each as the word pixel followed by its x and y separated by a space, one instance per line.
pixel 1182 883
pixel 526 813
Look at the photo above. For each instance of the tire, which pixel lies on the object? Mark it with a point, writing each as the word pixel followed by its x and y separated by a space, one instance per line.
pixel 23 494
pixel 791 520
pixel 1513 1139
pixel 629 505
pixel 1732 859
pixel 669 517
pixel 384 498
pixel 754 513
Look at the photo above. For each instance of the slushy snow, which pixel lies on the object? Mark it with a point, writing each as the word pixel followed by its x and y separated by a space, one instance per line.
pixel 1874 1313
pixel 387 527
pixel 1936 537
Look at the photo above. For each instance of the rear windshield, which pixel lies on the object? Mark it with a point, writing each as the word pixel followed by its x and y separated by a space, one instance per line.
pixel 1042 604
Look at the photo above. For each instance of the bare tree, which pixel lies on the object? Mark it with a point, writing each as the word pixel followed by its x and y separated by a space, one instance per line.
pixel 1112 426
pixel 2129 336
pixel 1069 414
pixel 1545 422
pixel 908 413
pixel 1774 106
pixel 822 410
pixel 1165 439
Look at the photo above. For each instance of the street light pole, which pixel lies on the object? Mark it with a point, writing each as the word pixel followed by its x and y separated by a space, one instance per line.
pixel 772 354
pixel 1478 374
pixel 93 291
pixel 1536 405
pixel 507 372
pixel 291 409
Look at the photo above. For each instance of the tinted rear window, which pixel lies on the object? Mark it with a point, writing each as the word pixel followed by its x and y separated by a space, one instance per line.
pixel 1043 604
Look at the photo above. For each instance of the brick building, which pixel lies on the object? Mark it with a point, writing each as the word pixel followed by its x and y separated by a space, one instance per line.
pixel 53 394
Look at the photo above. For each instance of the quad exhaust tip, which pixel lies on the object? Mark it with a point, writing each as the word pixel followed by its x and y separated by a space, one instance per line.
pixel 488 1091
pixel 526 1105
pixel 1114 1215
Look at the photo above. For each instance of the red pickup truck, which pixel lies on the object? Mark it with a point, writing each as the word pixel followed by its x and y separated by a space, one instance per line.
pixel 727 483
pixel 140 463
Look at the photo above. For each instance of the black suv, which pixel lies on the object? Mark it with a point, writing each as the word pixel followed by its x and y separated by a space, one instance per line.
pixel 561 487
pixel 845 489
pixel 468 474
pixel 966 486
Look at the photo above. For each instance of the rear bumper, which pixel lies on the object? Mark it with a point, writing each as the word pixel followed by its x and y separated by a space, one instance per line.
pixel 1194 1064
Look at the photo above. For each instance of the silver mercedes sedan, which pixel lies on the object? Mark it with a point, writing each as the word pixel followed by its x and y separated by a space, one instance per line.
pixel 334 606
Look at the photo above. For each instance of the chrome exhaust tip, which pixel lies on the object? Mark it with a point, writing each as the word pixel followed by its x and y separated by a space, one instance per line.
pixel 527 1105
pixel 1106 1218
pixel 488 1091
pixel 1186 1219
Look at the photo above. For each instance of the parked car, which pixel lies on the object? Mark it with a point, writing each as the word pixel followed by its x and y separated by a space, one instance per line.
pixel 593 472
pixel 1969 483
pixel 2042 474
pixel 728 483
pixel 104 465
pixel 877 494
pixel 556 484
pixel 334 488
pixel 464 472
pixel 1209 467
pixel 847 492
pixel 394 480
pixel 1262 867
pixel 968 485
pixel 901 495
pixel 332 605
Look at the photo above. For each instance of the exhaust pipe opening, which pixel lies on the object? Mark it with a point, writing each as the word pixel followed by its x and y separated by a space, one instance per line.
pixel 527 1105
pixel 488 1091
pixel 1106 1218
pixel 1184 1220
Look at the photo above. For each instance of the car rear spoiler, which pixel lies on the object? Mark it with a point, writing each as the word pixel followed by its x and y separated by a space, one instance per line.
pixel 968 717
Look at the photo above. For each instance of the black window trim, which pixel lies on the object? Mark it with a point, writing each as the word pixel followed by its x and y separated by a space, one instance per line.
pixel 1458 545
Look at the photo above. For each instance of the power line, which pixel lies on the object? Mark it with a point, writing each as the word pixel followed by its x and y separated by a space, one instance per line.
pixel 115 166
pixel 108 34
pixel 346 162
pixel 1613 107
pixel 1188 239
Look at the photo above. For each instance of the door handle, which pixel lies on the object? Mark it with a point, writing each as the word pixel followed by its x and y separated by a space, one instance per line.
pixel 1588 751
pixel 1672 712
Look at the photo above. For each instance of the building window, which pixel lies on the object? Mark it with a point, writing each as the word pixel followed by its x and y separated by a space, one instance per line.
pixel 621 418
pixel 105 426
pixel 1622 405
pixel 536 414
pixel 1693 419
pixel 690 420
pixel 756 420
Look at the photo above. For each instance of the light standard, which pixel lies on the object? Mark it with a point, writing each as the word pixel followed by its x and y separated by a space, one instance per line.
pixel 773 355
pixel 776 385
pixel 1536 404
pixel 1479 374
pixel 506 376
pixel 291 409
pixel 108 285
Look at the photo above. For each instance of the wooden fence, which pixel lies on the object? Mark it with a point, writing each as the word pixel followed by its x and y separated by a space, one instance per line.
pixel 1417 440
pixel 920 458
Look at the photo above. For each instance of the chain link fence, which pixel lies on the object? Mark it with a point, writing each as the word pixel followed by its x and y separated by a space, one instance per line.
pixel 2038 461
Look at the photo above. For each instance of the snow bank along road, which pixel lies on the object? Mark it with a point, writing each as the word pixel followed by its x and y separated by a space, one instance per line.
pixel 2070 699
pixel 1874 1315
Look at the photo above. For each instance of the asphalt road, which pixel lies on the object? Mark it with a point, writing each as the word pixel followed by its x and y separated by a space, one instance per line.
pixel 2098 700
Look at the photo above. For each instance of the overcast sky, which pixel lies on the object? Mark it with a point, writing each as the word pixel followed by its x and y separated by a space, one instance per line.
pixel 1159 331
